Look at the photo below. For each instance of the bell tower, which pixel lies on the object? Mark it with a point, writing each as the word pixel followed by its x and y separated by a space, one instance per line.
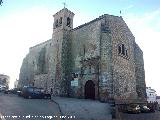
pixel 63 20
pixel 63 23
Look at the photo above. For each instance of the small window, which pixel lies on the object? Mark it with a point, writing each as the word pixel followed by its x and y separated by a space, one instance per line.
pixel 68 21
pixel 126 52
pixel 125 89
pixel 123 49
pixel 56 23
pixel 84 50
pixel 74 75
pixel 4 80
pixel 60 20
pixel 51 91
pixel 90 69
pixel 119 50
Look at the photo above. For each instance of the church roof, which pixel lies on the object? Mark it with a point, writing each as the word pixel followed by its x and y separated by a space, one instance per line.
pixel 94 20
pixel 42 43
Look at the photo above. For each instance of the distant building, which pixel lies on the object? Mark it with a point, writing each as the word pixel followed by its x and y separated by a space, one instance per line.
pixel 16 84
pixel 4 81
pixel 151 95
pixel 158 99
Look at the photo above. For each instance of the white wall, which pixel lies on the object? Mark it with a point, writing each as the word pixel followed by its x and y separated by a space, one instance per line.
pixel 151 95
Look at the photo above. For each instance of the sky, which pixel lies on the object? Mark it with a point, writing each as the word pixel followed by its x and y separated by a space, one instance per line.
pixel 25 23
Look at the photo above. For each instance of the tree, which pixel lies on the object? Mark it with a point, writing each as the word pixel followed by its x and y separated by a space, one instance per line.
pixel 1 2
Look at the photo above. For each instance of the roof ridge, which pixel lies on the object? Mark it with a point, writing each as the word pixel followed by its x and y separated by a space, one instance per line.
pixel 94 20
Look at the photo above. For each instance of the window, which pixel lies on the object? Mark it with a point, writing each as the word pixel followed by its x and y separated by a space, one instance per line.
pixel 119 50
pixel 4 80
pixel 125 89
pixel 126 52
pixel 60 21
pixel 56 23
pixel 68 21
pixel 74 75
pixel 90 69
pixel 84 50
pixel 122 50
pixel 51 91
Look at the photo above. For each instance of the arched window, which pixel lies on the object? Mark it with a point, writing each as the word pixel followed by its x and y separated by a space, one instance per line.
pixel 60 21
pixel 119 49
pixel 56 23
pixel 84 50
pixel 68 21
pixel 122 50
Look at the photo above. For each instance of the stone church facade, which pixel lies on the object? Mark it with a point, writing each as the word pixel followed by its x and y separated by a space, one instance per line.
pixel 97 60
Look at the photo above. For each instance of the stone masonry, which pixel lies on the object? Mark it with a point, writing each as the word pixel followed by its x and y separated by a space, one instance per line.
pixel 97 60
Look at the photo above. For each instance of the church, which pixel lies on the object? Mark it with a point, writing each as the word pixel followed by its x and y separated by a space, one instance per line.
pixel 97 60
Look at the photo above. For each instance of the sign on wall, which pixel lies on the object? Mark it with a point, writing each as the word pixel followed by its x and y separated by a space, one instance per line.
pixel 74 82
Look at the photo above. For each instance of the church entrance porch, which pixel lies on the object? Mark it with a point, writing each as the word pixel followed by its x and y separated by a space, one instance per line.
pixel 89 90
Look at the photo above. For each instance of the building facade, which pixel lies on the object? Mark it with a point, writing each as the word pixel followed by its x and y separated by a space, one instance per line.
pixel 97 60
pixel 4 81
pixel 158 100
pixel 151 95
pixel 16 84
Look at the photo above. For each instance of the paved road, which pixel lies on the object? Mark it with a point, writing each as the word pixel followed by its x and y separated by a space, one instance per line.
pixel 23 109
pixel 84 109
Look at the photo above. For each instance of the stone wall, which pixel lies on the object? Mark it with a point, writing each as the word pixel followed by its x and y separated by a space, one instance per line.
pixel 123 63
pixel 85 54
pixel 139 72
pixel 26 73
pixel 105 77
pixel 37 63
pixel 43 81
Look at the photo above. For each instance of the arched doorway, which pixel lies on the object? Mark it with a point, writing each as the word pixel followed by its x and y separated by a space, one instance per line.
pixel 89 90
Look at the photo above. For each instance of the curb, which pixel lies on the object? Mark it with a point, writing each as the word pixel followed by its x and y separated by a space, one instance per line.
pixel 58 108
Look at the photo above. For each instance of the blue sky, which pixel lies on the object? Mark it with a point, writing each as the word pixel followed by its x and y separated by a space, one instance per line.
pixel 25 23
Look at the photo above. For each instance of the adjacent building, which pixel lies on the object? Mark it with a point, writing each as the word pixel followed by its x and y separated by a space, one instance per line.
pixel 97 60
pixel 158 99
pixel 4 81
pixel 16 84
pixel 151 95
